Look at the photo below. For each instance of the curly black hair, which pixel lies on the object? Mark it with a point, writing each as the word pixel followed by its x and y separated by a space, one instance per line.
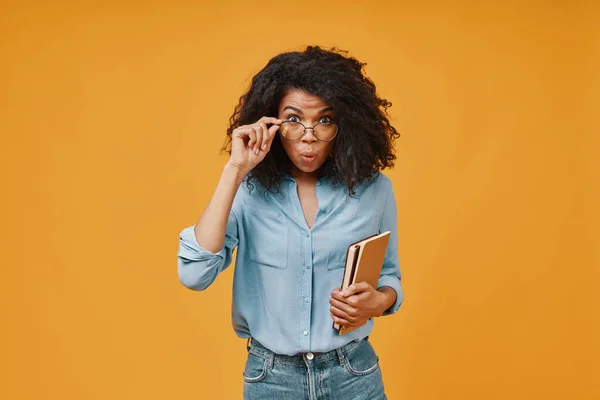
pixel 364 144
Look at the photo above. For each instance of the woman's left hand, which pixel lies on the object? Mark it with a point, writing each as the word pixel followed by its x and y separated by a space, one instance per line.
pixel 357 304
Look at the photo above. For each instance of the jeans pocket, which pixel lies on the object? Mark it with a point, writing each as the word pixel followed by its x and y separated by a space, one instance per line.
pixel 256 368
pixel 362 360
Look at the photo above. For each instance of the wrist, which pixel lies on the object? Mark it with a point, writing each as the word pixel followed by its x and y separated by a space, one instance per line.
pixel 387 297
pixel 235 171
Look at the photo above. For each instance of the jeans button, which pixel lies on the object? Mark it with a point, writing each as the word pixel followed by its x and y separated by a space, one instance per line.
pixel 310 356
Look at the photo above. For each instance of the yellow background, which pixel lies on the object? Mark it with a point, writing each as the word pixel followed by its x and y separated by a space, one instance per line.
pixel 112 115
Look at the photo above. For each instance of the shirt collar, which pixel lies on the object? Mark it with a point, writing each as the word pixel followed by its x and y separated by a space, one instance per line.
pixel 320 181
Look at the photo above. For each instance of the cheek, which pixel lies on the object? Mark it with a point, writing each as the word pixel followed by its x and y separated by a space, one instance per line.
pixel 287 145
pixel 328 148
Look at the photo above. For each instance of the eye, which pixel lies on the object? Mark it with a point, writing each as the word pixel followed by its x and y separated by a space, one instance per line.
pixel 293 118
pixel 325 120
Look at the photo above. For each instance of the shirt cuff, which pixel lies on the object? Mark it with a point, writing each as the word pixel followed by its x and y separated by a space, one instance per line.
pixel 394 283
pixel 190 250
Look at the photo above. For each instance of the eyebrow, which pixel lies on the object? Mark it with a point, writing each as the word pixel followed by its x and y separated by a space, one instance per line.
pixel 299 111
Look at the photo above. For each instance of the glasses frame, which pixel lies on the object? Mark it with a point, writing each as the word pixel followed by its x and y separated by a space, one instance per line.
pixel 312 128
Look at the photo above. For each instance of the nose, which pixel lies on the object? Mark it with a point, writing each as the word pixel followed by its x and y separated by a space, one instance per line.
pixel 309 136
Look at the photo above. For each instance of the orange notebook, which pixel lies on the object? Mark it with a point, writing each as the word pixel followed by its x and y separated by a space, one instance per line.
pixel 364 260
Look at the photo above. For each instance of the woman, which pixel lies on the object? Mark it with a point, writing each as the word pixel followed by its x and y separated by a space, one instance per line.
pixel 306 144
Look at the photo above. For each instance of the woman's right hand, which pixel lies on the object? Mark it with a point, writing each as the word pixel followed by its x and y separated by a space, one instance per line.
pixel 251 143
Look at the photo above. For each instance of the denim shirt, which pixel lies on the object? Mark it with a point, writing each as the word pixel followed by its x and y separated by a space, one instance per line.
pixel 284 270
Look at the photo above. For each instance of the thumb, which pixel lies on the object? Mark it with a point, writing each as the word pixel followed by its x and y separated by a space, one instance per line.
pixel 273 129
pixel 272 132
pixel 349 291
pixel 355 288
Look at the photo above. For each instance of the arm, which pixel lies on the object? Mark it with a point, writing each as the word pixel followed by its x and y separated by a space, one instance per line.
pixel 249 146
pixel 360 301
pixel 211 227
pixel 390 278
pixel 206 249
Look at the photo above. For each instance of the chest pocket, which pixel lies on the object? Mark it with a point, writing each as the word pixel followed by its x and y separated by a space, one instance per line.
pixel 361 225
pixel 267 237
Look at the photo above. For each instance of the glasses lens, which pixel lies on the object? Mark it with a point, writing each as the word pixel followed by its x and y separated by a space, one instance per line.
pixel 325 131
pixel 291 130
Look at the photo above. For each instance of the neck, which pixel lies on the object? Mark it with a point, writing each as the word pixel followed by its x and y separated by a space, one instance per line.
pixel 305 177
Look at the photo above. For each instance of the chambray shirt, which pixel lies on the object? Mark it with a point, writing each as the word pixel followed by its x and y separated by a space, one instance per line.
pixel 284 271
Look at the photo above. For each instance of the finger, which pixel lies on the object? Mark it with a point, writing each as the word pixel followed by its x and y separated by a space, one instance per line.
pixel 353 301
pixel 274 122
pixel 341 314
pixel 356 288
pixel 242 132
pixel 337 294
pixel 266 136
pixel 270 120
pixel 347 308
pixel 272 130
pixel 259 138
pixel 340 321
pixel 252 136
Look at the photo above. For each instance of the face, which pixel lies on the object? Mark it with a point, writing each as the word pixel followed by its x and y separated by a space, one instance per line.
pixel 308 153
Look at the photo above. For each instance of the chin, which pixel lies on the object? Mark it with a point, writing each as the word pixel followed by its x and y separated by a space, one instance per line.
pixel 307 169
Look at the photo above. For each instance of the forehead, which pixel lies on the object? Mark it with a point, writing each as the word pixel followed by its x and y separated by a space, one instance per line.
pixel 302 100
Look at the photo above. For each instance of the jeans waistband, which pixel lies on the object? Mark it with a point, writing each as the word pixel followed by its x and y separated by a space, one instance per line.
pixel 258 349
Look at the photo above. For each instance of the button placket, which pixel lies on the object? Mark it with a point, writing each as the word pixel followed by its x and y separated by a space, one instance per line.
pixel 306 285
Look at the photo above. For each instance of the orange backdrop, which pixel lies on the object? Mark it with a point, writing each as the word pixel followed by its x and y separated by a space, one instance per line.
pixel 112 115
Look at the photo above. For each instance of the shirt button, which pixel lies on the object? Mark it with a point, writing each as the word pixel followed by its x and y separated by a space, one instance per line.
pixel 306 300
pixel 310 356
pixel 305 333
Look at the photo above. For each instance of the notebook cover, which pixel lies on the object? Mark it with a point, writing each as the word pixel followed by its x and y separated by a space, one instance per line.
pixel 369 264
pixel 351 259
pixel 376 249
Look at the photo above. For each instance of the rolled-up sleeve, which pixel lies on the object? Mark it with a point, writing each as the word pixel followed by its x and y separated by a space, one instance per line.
pixel 198 267
pixel 390 272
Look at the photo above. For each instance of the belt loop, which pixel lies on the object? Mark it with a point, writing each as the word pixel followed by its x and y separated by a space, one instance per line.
pixel 341 356
pixel 270 360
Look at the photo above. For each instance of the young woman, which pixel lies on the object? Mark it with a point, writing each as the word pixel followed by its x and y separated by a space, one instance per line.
pixel 306 144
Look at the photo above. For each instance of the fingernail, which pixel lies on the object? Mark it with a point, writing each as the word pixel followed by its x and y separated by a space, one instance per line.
pixel 264 146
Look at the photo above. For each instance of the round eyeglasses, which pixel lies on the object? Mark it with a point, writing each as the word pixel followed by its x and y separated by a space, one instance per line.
pixel 323 131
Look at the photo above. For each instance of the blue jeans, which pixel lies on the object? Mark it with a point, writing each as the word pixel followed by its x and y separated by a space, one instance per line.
pixel 350 373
